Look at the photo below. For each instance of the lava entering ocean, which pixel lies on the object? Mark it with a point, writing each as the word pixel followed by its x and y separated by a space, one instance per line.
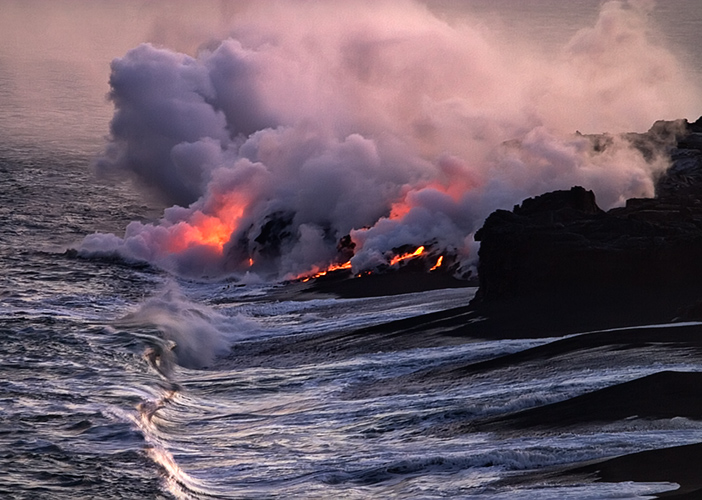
pixel 399 258
pixel 394 261
pixel 378 122
pixel 330 269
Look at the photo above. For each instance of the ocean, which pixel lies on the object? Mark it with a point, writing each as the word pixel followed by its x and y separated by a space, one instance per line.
pixel 156 339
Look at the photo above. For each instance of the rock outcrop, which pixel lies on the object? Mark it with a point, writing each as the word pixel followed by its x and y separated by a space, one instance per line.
pixel 646 255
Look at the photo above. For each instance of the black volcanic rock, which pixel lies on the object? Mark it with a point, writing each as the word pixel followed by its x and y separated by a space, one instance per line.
pixel 561 248
pixel 561 206
pixel 534 245
pixel 274 233
pixel 557 264
pixel 666 394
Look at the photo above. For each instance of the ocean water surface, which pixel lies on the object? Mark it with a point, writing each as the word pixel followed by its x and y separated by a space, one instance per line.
pixel 123 376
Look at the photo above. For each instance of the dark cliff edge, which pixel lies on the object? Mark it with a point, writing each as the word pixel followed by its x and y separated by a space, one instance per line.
pixel 558 263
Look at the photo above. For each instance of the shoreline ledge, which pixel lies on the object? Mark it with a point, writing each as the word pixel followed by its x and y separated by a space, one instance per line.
pixel 619 286
pixel 558 264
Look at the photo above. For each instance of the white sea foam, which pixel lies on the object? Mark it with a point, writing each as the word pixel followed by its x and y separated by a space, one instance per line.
pixel 197 333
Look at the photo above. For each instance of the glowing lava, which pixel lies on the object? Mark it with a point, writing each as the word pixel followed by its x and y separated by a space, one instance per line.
pixel 438 263
pixel 333 267
pixel 347 265
pixel 399 258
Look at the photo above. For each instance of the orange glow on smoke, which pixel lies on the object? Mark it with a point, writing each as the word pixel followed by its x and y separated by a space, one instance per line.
pixel 399 209
pixel 212 231
pixel 399 258
pixel 207 230
pixel 438 263
pixel 203 230
pixel 457 181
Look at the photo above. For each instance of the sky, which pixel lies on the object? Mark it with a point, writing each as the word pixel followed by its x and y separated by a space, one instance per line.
pixel 55 54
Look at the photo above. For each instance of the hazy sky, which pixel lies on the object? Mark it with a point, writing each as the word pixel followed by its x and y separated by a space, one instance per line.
pixel 55 54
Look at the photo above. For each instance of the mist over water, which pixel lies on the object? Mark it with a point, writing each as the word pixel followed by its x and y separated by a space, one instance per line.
pixel 308 123
pixel 274 130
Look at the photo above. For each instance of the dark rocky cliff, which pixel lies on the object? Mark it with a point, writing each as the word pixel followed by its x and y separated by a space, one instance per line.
pixel 644 259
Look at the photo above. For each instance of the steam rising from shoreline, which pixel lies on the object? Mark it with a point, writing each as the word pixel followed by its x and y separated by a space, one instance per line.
pixel 378 120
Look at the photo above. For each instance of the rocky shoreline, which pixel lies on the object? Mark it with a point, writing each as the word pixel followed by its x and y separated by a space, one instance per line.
pixel 558 263
pixel 561 248
pixel 617 281
pixel 620 287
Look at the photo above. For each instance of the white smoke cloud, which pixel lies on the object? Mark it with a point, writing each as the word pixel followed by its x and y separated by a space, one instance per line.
pixel 378 120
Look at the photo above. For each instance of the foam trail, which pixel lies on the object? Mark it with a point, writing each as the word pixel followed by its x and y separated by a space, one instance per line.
pixel 383 122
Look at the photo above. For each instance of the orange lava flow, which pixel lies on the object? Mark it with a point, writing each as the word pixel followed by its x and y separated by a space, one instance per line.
pixel 332 267
pixel 438 263
pixel 399 258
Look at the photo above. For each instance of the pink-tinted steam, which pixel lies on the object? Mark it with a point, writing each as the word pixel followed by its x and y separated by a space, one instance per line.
pixel 378 120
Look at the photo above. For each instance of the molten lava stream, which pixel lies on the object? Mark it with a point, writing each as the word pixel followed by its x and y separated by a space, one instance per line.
pixel 399 258
pixel 438 263
pixel 332 267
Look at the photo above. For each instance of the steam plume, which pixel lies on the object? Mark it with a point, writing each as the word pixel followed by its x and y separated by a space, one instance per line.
pixel 378 120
